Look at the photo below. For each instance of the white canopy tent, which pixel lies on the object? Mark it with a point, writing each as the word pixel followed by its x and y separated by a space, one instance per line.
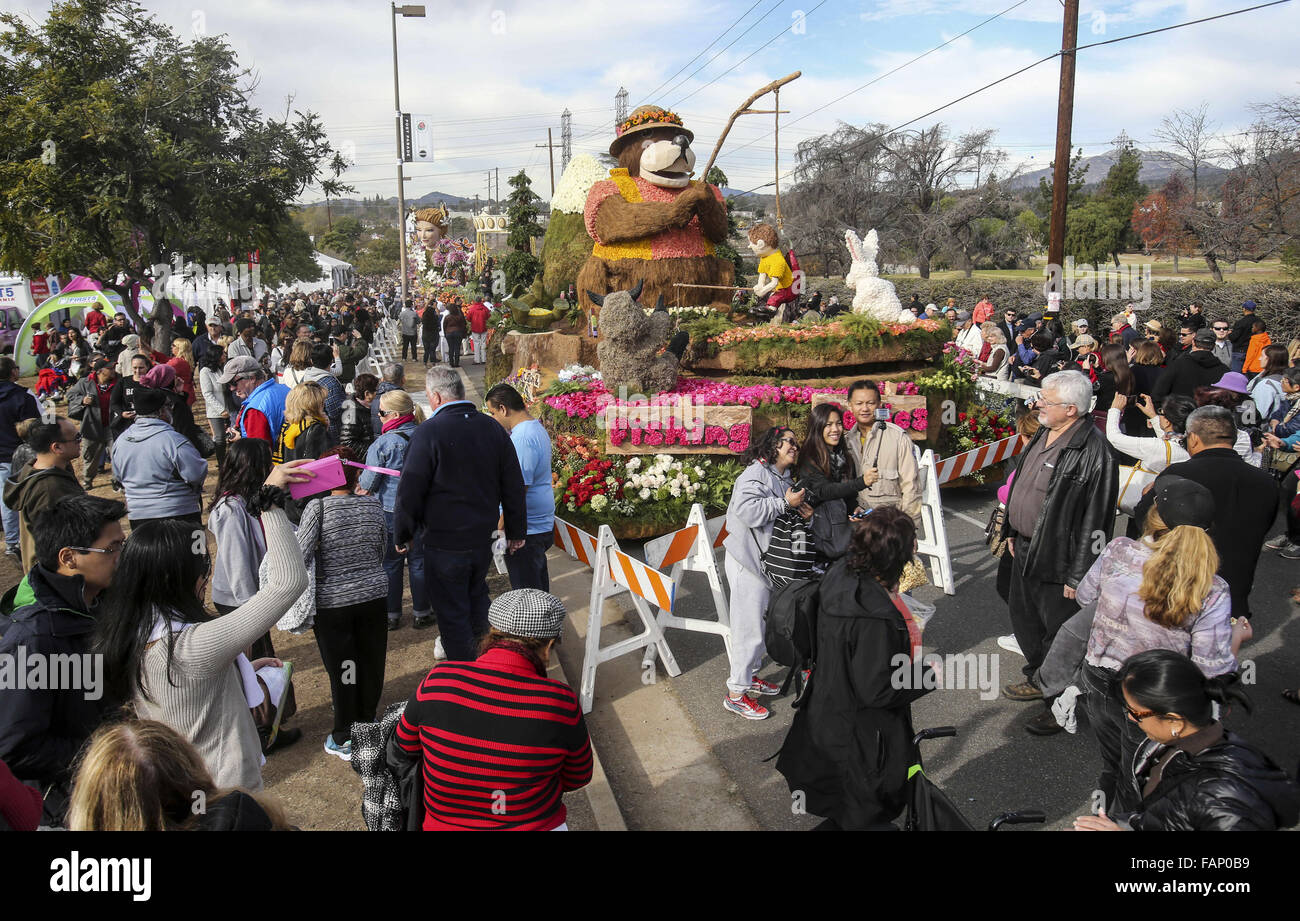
pixel 335 274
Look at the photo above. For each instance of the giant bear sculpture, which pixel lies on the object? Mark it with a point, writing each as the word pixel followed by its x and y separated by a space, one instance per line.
pixel 651 224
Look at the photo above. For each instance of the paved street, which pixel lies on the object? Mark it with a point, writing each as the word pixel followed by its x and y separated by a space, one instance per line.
pixel 992 766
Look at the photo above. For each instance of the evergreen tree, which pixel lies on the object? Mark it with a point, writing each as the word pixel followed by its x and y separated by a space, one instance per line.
pixel 521 266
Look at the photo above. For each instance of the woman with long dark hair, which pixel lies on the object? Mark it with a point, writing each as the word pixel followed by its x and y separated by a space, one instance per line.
pixel 825 466
pixel 1115 377
pixel 454 327
pixel 216 404
pixel 181 665
pixel 1265 388
pixel 1192 773
pixel 1230 393
pixel 850 746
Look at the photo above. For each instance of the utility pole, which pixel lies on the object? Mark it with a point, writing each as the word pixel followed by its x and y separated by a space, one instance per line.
pixel 550 152
pixel 489 188
pixel 498 185
pixel 1061 166
pixel 415 12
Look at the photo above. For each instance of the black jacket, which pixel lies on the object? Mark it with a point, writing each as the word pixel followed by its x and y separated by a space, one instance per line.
pixel 850 745
pixel 1241 332
pixel 1245 501
pixel 1230 786
pixel 822 488
pixel 460 467
pixel 16 404
pixel 1079 506
pixel 1195 369
pixel 42 730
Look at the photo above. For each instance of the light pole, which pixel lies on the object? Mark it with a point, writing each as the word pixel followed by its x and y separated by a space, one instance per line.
pixel 411 12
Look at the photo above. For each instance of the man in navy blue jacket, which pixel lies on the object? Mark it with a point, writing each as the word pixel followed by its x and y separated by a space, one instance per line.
pixel 461 471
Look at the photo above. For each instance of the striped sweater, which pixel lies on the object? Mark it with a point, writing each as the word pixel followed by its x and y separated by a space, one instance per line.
pixel 500 744
pixel 347 536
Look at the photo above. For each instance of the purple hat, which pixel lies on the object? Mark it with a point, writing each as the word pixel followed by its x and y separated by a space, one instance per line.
pixel 1233 381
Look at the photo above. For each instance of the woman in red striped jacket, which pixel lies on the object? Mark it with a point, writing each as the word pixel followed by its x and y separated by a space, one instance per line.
pixel 499 742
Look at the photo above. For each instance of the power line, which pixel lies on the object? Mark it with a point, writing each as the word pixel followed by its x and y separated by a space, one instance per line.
pixel 890 73
pixel 1055 54
pixel 650 95
pixel 723 51
pixel 745 58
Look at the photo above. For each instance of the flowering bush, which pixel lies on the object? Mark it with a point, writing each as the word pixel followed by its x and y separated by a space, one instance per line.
pixel 571 191
pixel 979 425
pixel 578 374
pixel 591 489
pixel 585 404
pixel 835 330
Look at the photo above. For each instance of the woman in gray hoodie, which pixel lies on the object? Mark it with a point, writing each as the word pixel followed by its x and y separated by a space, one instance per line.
pixel 762 492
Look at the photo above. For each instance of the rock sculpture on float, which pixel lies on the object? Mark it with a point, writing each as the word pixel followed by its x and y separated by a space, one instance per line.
pixel 873 295
pixel 630 344
pixel 651 224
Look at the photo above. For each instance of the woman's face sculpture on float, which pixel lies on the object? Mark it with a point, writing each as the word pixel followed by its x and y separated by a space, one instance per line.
pixel 430 226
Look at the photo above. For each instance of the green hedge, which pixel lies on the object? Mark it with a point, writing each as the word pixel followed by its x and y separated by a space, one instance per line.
pixel 1279 302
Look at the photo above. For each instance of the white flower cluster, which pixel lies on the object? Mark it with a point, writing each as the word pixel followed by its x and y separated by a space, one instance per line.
pixel 663 473
pixel 571 191
pixel 578 373
pixel 684 313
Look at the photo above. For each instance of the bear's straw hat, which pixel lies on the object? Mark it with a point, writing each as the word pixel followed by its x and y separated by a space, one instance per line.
pixel 646 118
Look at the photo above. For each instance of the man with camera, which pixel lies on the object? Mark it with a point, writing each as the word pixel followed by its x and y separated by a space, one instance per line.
pixel 883 454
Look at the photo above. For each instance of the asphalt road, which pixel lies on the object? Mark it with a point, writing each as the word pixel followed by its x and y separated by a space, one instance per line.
pixel 993 765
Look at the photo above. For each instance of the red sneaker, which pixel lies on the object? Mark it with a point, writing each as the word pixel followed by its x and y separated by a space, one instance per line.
pixel 747 707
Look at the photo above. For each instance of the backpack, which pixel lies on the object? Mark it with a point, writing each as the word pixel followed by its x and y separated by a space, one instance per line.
pixel 790 630
pixel 792 551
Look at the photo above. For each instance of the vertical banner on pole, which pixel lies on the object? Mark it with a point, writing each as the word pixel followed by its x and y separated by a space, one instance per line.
pixel 935 542
pixel 693 549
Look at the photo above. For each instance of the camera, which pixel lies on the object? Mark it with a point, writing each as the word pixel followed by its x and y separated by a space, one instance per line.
pixel 882 414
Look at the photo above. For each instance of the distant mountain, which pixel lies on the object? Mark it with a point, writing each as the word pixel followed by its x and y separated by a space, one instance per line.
pixel 1157 167
pixel 455 202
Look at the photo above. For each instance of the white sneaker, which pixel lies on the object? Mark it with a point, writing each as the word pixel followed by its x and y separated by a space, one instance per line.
pixel 1009 643
pixel 438 653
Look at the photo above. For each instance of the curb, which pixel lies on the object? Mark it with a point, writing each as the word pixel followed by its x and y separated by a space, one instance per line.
pixel 604 807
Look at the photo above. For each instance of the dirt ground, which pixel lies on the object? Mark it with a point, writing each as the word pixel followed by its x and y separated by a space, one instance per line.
pixel 318 791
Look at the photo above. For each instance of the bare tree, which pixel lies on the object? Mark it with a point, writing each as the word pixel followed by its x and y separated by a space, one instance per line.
pixel 924 167
pixel 1191 135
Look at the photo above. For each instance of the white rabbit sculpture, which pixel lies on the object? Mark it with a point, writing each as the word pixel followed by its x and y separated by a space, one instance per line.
pixel 873 295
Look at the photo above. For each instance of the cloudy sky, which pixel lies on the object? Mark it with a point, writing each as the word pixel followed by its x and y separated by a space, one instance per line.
pixel 495 75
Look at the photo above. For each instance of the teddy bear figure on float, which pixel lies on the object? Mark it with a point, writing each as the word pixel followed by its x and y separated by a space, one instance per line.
pixel 651 223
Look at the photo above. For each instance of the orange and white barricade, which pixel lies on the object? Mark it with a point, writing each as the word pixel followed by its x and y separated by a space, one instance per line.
pixel 693 549
pixel 613 573
pixel 995 452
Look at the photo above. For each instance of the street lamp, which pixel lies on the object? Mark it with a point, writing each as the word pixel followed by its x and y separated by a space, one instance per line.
pixel 410 12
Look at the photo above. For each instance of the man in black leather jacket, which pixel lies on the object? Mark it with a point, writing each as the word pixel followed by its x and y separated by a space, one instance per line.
pixel 1060 513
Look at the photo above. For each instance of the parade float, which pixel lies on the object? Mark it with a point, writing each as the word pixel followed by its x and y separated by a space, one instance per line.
pixel 652 403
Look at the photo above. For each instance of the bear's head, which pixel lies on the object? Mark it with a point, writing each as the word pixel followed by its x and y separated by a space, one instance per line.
pixel 652 143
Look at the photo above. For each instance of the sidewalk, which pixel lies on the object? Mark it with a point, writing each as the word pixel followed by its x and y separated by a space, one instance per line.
pixel 661 768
